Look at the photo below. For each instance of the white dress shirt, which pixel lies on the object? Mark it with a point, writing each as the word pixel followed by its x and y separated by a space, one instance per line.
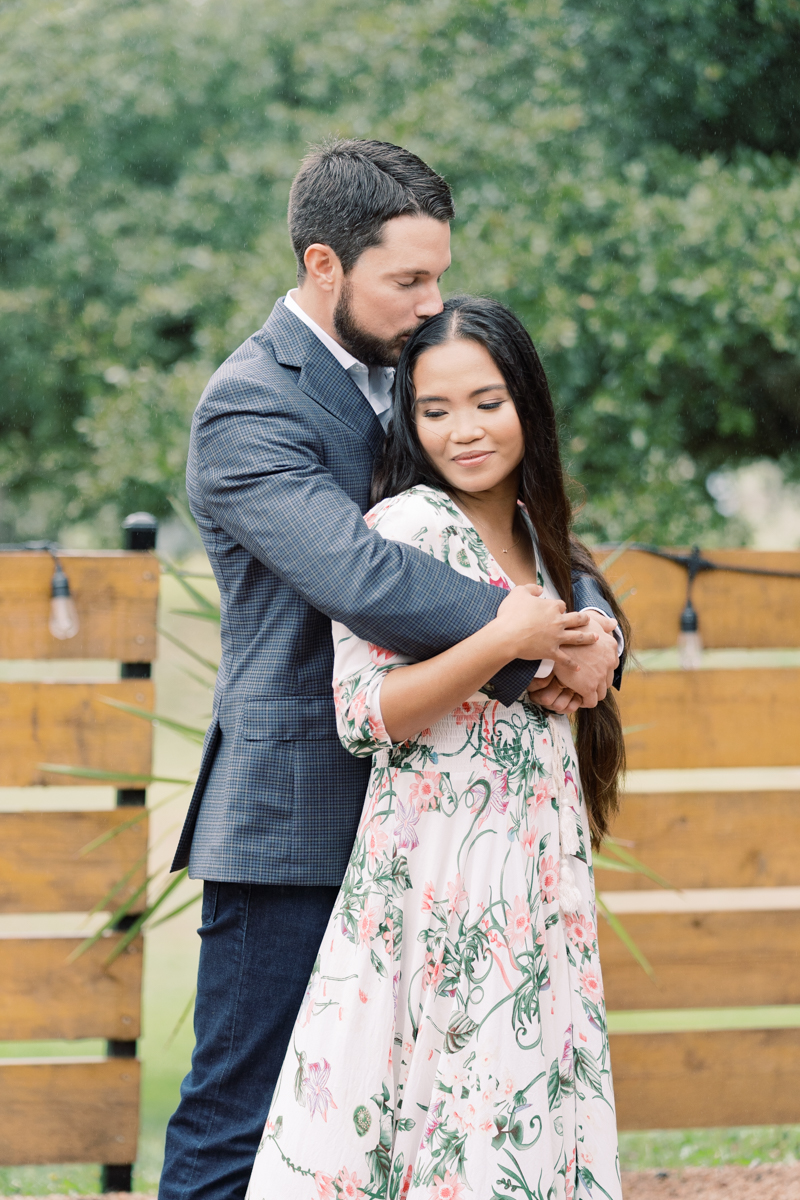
pixel 374 383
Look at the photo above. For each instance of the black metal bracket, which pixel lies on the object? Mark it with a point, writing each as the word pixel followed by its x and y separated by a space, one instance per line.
pixel 116 1177
pixel 695 563
pixel 140 534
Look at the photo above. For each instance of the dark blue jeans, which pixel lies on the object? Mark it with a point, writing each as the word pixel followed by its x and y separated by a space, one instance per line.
pixel 259 943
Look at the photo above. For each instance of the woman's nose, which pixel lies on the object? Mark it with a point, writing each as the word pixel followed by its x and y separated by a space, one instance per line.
pixel 466 431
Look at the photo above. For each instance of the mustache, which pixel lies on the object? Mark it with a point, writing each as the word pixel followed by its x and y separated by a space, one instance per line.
pixel 407 333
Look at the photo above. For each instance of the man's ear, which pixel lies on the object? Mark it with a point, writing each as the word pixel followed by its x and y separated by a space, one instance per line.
pixel 322 265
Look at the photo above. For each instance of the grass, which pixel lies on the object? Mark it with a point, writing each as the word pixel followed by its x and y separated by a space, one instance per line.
pixel 668 1149
pixel 171 964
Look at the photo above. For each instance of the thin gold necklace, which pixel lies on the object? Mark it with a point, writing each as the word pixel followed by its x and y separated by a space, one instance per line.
pixel 513 544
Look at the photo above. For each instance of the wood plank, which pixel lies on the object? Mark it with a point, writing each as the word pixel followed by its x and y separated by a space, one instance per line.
pixel 712 718
pixel 42 868
pixel 62 1110
pixel 115 592
pixel 68 723
pixel 732 608
pixel 703 960
pixel 44 996
pixel 696 1080
pixel 709 840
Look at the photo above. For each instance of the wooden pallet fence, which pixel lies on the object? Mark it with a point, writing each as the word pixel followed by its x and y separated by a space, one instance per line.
pixel 69 1110
pixel 696 1080
pixel 115 593
pixel 71 723
pixel 745 718
pixel 754 835
pixel 74 1109
pixel 93 999
pixel 730 938
pixel 750 611
pixel 42 868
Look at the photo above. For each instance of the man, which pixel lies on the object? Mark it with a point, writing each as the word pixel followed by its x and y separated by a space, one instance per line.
pixel 281 455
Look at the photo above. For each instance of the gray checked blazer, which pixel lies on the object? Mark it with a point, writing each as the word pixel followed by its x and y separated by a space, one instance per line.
pixel 280 462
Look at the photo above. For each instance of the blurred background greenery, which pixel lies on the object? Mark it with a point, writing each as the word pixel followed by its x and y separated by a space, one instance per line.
pixel 625 177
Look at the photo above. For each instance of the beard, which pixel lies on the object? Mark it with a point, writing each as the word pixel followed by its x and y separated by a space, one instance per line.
pixel 370 350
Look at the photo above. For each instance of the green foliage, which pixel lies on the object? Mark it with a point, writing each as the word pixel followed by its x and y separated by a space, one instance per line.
pixel 624 176
pixel 705 76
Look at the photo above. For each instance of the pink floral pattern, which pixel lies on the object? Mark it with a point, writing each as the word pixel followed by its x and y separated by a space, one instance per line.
pixel 453 1035
pixel 449 1188
pixel 425 790
pixel 581 931
pixel 519 923
pixel 548 879
pixel 468 713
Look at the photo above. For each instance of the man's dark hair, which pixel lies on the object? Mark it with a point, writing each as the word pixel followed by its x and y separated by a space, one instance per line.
pixel 347 189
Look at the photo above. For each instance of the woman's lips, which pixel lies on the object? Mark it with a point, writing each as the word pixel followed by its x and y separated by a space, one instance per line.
pixel 472 460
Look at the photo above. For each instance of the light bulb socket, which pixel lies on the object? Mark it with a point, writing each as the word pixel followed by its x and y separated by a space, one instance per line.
pixel 59 585
pixel 689 622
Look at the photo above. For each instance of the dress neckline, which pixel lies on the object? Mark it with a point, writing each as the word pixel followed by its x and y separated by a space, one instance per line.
pixel 467 523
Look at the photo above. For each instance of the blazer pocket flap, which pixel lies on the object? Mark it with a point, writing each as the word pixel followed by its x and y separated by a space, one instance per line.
pixel 298 719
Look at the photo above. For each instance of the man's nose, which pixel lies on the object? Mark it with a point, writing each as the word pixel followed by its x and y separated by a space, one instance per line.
pixel 430 303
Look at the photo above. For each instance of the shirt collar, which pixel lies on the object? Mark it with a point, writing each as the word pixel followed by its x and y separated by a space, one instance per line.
pixel 339 353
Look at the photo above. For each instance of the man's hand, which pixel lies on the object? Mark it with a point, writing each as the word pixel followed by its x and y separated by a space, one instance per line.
pixel 548 692
pixel 586 684
pixel 596 664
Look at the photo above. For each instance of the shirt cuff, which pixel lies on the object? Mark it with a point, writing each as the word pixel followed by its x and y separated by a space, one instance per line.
pixel 544 668
pixel 616 630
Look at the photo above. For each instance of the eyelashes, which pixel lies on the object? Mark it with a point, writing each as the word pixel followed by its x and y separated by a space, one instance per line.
pixel 489 406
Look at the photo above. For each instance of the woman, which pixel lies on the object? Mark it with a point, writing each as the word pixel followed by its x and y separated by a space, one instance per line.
pixel 452 1042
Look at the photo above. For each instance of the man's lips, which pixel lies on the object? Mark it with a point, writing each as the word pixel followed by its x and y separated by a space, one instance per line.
pixel 472 458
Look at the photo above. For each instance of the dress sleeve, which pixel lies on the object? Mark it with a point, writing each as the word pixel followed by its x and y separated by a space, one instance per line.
pixel 359 669
pixel 359 666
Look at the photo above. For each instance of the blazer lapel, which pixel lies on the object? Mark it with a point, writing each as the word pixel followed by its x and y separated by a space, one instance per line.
pixel 321 376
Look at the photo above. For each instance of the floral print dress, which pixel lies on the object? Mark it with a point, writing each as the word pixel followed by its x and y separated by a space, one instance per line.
pixel 452 1042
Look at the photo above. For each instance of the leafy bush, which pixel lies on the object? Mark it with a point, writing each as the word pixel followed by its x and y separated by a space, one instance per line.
pixel 625 177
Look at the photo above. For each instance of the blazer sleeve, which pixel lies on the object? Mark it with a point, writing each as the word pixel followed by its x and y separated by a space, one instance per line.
pixel 260 476
pixel 586 594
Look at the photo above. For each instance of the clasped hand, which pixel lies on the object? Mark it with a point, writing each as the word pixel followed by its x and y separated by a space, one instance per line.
pixel 531 625
pixel 585 680
pixel 581 646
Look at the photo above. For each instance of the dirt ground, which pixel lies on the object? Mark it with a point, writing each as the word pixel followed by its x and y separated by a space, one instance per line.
pixel 773 1182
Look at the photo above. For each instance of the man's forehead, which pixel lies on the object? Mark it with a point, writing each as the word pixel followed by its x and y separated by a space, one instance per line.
pixel 415 235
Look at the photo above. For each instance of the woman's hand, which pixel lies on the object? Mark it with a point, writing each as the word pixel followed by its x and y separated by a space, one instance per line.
pixel 527 625
pixel 532 626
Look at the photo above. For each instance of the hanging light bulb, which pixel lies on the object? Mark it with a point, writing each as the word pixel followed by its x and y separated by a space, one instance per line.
pixel 690 644
pixel 64 621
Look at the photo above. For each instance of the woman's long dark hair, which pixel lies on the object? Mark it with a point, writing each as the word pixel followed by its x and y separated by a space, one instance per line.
pixel 599 740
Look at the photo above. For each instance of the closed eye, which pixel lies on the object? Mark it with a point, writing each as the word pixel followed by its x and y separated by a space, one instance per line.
pixel 490 405
pixel 434 412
